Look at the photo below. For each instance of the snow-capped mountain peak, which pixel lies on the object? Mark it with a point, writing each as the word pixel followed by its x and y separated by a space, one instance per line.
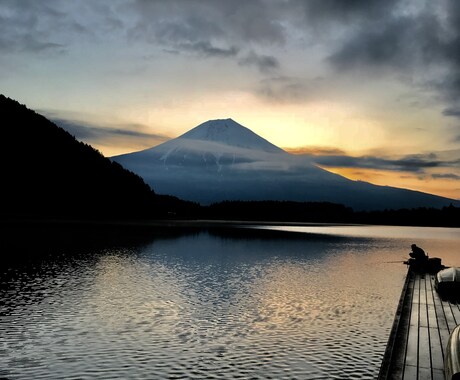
pixel 222 160
pixel 229 132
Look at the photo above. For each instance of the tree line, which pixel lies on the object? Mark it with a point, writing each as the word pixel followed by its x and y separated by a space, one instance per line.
pixel 321 212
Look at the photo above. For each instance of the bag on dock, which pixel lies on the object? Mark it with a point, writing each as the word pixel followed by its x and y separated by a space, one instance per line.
pixel 429 265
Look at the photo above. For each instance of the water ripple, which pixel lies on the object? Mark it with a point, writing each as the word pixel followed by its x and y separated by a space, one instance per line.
pixel 201 307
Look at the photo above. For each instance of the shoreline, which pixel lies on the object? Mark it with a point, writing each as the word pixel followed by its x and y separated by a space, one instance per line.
pixel 186 223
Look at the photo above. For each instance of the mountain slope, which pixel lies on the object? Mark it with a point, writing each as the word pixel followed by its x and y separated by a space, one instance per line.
pixel 48 173
pixel 230 133
pixel 222 160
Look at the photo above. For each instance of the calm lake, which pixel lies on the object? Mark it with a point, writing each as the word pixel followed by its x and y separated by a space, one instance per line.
pixel 312 302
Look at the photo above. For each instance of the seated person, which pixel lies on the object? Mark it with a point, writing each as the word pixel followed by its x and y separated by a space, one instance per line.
pixel 417 253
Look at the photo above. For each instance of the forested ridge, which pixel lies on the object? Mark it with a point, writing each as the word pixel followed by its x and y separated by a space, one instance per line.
pixel 48 173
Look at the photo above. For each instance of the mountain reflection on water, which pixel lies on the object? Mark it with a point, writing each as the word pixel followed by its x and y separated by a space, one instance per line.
pixel 211 303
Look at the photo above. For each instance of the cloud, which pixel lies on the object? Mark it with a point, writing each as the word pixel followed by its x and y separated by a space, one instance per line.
pixel 29 44
pixel 418 41
pixel 217 28
pixel 34 27
pixel 454 112
pixel 195 20
pixel 207 49
pixel 24 27
pixel 284 89
pixel 265 63
pixel 315 151
pixel 345 11
pixel 288 42
pixel 411 163
pixel 100 134
pixel 446 176
pixel 238 30
pixel 376 47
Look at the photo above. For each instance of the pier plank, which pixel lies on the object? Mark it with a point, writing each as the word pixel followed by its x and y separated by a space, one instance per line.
pixel 422 326
pixel 422 289
pixel 437 359
pixel 432 318
pixel 423 374
pixel 444 337
pixel 430 289
pixel 393 363
pixel 438 374
pixel 424 351
pixel 412 347
pixel 410 372
pixel 450 319
pixel 442 323
pixel 455 313
pixel 423 318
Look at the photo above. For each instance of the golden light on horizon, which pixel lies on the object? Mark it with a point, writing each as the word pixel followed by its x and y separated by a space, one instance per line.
pixel 411 181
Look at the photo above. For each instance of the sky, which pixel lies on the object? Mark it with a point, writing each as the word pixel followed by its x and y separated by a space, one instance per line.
pixel 369 88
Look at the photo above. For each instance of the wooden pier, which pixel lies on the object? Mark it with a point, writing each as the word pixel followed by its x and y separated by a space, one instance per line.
pixel 418 339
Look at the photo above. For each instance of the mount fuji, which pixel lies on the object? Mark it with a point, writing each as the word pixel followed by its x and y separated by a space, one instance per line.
pixel 222 160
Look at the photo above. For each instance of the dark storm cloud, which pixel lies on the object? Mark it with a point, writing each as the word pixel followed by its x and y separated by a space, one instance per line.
pixel 218 23
pixel 209 28
pixel 30 26
pixel 417 39
pixel 24 27
pixel 184 35
pixel 399 42
pixel 343 11
pixel 240 21
pixel 409 41
pixel 379 47
pixel 411 163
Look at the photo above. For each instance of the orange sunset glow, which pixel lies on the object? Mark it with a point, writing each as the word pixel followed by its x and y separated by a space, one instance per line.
pixel 366 81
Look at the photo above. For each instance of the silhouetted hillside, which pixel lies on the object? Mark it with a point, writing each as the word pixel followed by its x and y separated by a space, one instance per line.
pixel 46 172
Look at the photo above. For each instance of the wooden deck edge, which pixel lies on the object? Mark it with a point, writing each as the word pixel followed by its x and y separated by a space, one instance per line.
pixel 398 333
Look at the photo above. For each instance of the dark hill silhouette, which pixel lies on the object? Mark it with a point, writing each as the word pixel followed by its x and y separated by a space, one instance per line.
pixel 46 172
